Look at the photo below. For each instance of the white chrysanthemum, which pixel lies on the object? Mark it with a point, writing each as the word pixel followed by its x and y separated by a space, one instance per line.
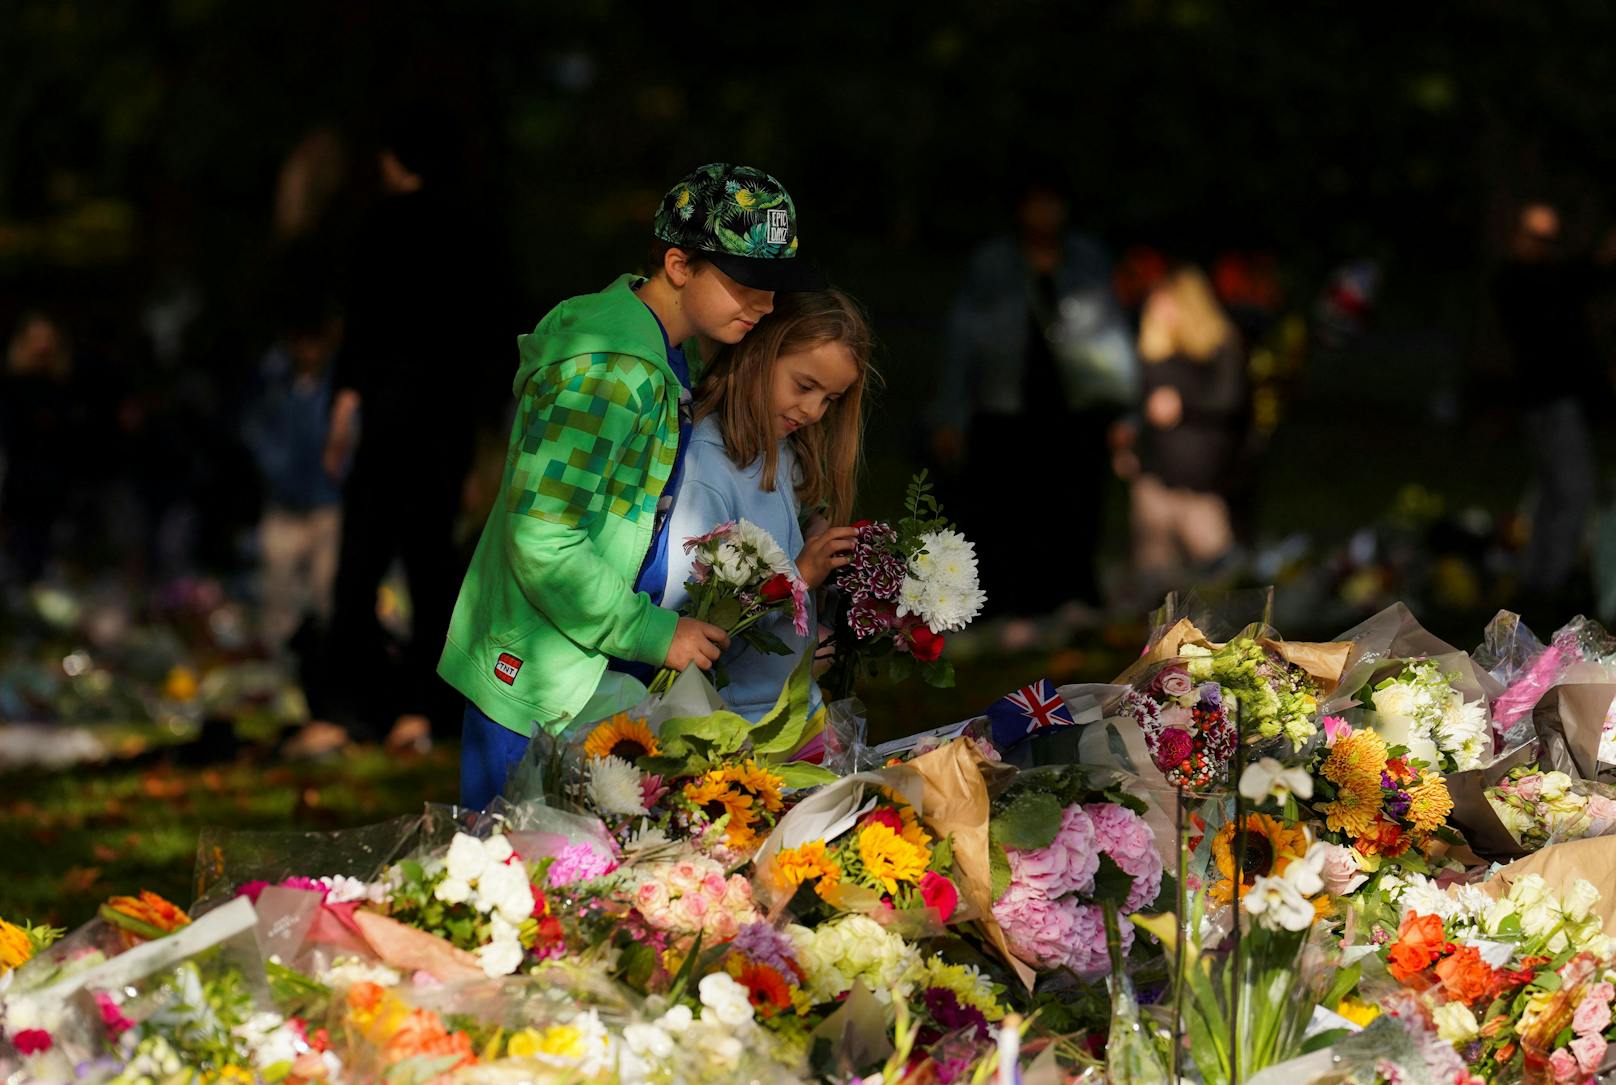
pixel 762 544
pixel 500 958
pixel 646 836
pixel 732 566
pixel 947 557
pixel 614 786
pixel 1422 896
pixel 467 858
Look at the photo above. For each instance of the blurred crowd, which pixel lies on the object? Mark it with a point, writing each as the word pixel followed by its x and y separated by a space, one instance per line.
pixel 333 476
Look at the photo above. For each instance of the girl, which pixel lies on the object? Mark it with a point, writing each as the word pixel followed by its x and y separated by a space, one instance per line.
pixel 1195 424
pixel 778 423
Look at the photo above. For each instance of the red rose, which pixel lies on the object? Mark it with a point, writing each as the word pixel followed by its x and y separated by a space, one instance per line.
pixel 777 589
pixel 883 815
pixel 862 523
pixel 924 644
pixel 939 894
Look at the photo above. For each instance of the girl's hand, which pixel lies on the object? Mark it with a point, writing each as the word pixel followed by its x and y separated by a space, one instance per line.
pixel 825 553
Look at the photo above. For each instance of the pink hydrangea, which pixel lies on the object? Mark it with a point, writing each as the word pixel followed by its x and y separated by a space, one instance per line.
pixel 1086 952
pixel 1593 1015
pixel 1039 930
pixel 1124 836
pixel 579 863
pixel 1067 865
pixel 1590 1052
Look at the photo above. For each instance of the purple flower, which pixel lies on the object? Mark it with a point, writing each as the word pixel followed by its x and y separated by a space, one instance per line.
pixel 1397 803
pixel 764 944
pixel 1211 697
pixel 945 1009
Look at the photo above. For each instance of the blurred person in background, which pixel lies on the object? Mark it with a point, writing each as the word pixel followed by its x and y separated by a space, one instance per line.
pixel 1542 295
pixel 423 328
pixel 1184 455
pixel 285 427
pixel 1037 364
pixel 40 433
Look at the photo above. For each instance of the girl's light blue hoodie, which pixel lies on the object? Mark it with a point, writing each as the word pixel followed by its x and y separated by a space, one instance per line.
pixel 715 491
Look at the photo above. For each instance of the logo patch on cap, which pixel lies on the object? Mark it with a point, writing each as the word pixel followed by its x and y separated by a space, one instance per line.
pixel 505 668
pixel 779 226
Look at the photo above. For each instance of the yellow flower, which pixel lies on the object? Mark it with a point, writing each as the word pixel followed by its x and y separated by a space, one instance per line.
pixel 523 1044
pixel 713 796
pixel 1429 803
pixel 683 199
pixel 1354 810
pixel 889 858
pixel 231 1075
pixel 16 948
pixel 1359 757
pixel 1359 1013
pixel 1270 847
pixel 622 737
pixel 912 831
pixel 744 198
pixel 794 866
pixel 762 783
pixel 562 1041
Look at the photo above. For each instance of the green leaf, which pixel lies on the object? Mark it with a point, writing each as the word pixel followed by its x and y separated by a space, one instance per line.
pixel 802 774
pixel 689 966
pixel 782 729
pixel 1029 822
pixel 639 963
pixel 1345 981
pixel 1510 927
pixel 765 641
pixel 1112 884
pixel 942 855
pixel 726 612
pixel 723 732
pixel 900 666
pixel 1321 1040
pixel 1547 981
pixel 938 673
pixel 998 869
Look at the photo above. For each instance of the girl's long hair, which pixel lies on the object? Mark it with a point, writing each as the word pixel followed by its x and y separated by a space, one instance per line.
pixel 1202 329
pixel 739 389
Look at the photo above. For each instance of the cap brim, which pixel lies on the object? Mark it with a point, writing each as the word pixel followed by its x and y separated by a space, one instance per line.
pixel 760 274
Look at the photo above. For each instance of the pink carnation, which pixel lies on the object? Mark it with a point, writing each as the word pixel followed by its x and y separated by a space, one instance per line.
pixel 1593 1015
pixel 111 1016
pixel 1067 865
pixel 1040 931
pixel 1173 747
pixel 1590 1052
pixel 579 863
pixel 1124 836
pixel 1335 729
pixel 1086 952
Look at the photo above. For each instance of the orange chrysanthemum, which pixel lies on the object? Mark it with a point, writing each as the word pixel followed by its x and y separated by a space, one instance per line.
pixel 622 737
pixel 888 858
pixel 1429 803
pixel 1355 759
pixel 1355 808
pixel 16 948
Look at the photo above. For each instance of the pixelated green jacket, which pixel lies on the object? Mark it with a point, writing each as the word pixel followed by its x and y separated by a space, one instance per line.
pixel 550 592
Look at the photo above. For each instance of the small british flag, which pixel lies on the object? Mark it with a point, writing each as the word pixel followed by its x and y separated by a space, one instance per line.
pixel 1028 711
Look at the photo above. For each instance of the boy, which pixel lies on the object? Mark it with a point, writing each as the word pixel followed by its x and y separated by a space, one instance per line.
pixel 552 595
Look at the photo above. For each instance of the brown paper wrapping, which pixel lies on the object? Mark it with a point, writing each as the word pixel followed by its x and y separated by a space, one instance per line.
pixel 1568 721
pixel 955 803
pixel 1561 865
pixel 413 950
pixel 1473 815
pixel 1325 662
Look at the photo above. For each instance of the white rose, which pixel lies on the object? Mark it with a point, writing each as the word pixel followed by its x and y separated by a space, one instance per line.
pixel 1541 918
pixel 726 998
pixel 1395 707
pixel 452 891
pixel 466 858
pixel 1579 902
pixel 1555 785
pixel 1497 913
pixel 1528 890
pixel 677 1019
pixel 500 958
pixel 1455 1023
pixel 648 1040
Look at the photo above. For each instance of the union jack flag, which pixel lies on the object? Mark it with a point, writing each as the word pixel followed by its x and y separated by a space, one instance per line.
pixel 1019 716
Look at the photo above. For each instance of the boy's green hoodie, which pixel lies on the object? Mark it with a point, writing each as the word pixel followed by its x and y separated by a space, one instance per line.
pixel 549 594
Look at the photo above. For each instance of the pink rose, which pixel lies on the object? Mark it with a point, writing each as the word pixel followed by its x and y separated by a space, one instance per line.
pixel 1563 1065
pixel 1176 716
pixel 1341 874
pixel 1530 788
pixel 1601 808
pixel 1590 1052
pixel 1593 1015
pixel 939 894
pixel 1176 683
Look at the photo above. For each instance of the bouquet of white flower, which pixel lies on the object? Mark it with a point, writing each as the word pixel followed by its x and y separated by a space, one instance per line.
pixel 1421 709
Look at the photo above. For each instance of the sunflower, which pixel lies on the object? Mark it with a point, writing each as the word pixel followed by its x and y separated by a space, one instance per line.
pixel 1429 803
pixel 1359 757
pixel 1269 847
pixel 1355 808
pixel 715 797
pixel 888 858
pixel 622 737
pixel 761 783
pixel 912 831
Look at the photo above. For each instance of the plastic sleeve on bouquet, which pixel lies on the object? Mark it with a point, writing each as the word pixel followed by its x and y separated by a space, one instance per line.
pixel 226 859
pixel 1570 723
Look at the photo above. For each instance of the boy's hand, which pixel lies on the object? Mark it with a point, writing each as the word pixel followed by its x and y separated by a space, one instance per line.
pixel 825 553
pixel 695 642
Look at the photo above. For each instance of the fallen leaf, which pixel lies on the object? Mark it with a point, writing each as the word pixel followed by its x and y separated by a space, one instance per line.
pixel 80 879
pixel 103 853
